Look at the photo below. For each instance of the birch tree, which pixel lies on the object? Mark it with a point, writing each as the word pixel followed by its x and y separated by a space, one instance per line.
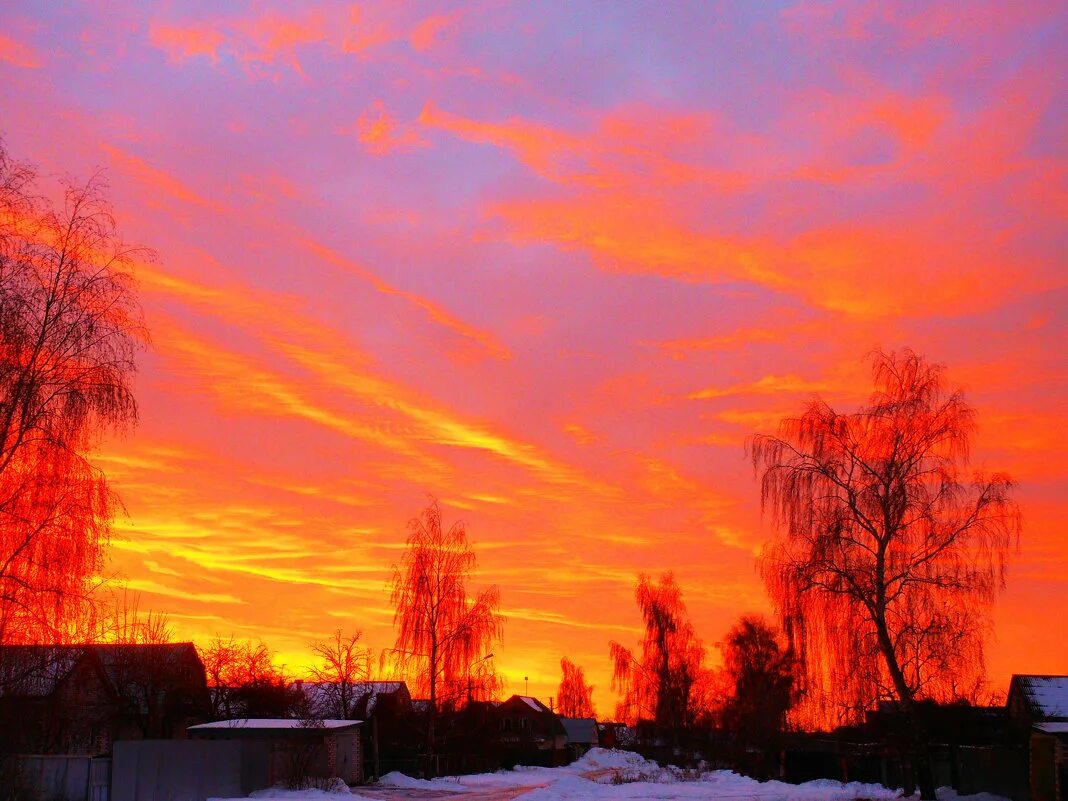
pixel 444 637
pixel 890 551
pixel 575 696
pixel 70 328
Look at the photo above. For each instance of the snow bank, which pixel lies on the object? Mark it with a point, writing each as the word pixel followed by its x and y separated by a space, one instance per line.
pixel 606 775
pixel 601 758
pixel 404 782
pixel 332 791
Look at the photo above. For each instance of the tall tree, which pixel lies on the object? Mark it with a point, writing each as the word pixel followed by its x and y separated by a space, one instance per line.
pixel 343 664
pixel 889 551
pixel 659 684
pixel 760 681
pixel 575 696
pixel 70 327
pixel 443 637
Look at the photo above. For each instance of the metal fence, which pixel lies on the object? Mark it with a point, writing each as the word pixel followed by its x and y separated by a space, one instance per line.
pixel 187 770
pixel 60 777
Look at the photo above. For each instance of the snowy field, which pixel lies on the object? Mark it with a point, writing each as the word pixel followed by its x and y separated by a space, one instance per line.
pixel 602 775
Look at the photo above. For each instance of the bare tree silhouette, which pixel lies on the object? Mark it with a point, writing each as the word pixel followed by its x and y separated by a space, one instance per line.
pixel 659 684
pixel 889 553
pixel 70 327
pixel 343 664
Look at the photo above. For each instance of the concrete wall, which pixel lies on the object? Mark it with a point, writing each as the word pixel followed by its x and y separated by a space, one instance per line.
pixel 186 770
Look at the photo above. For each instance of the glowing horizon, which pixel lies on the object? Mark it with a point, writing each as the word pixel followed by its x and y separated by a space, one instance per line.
pixel 552 267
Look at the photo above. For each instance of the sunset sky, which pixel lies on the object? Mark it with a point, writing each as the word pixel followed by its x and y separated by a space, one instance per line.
pixel 551 263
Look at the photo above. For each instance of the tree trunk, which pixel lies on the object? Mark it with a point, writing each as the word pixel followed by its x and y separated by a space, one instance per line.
pixel 374 746
pixel 433 711
pixel 920 745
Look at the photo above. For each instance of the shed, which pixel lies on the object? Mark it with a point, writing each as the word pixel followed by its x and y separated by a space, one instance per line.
pixel 297 749
pixel 1040 703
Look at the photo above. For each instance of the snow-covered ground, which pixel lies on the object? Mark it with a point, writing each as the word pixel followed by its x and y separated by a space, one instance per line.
pixel 603 775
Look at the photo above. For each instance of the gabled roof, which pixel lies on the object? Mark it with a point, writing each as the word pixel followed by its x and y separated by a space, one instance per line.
pixel 271 724
pixel 35 671
pixel 580 730
pixel 529 701
pixel 363 696
pixel 38 670
pixel 1046 696
pixel 123 661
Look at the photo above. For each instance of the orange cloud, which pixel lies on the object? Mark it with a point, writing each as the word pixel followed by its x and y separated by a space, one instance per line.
pixel 908 25
pixel 17 54
pixel 768 385
pixel 159 181
pixel 622 151
pixel 253 41
pixel 427 32
pixel 380 133
pixel 187 41
pixel 620 179
pixel 432 310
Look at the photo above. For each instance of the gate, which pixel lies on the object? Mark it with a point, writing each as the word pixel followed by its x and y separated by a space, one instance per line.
pixel 100 779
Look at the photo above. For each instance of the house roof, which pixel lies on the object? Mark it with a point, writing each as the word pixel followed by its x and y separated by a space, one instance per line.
pixel 529 701
pixel 363 696
pixel 274 724
pixel 1060 727
pixel 580 730
pixel 1047 696
pixel 38 670
pixel 35 671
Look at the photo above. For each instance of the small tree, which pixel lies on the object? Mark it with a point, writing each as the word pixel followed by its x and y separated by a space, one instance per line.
pixel 760 679
pixel 889 553
pixel 659 685
pixel 245 682
pixel 344 664
pixel 443 637
pixel 575 696
pixel 70 328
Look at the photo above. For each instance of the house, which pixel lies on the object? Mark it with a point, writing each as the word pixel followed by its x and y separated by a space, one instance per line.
pixel 78 700
pixel 390 733
pixel 296 749
pixel 582 735
pixel 1038 704
pixel 484 736
pixel 529 733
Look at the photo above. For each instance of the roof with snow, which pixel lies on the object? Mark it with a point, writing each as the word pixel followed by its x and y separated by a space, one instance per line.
pixel 531 702
pixel 1047 696
pixel 580 730
pixel 274 724
pixel 355 700
pixel 1053 728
